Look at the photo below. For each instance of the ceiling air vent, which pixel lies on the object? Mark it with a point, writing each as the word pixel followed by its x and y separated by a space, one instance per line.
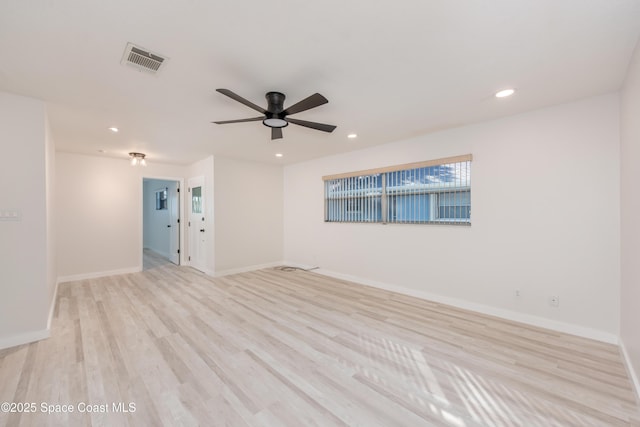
pixel 141 59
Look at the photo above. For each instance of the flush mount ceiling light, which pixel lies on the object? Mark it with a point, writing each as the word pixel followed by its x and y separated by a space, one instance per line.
pixel 114 129
pixel 279 154
pixel 505 92
pixel 138 159
pixel 275 122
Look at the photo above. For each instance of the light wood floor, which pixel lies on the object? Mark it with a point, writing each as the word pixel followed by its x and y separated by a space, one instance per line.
pixel 152 259
pixel 279 348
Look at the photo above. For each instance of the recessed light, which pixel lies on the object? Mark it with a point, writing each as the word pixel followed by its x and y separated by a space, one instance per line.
pixel 504 93
pixel 114 129
pixel 279 154
pixel 352 135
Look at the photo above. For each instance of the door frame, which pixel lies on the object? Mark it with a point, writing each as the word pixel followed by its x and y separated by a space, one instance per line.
pixel 180 214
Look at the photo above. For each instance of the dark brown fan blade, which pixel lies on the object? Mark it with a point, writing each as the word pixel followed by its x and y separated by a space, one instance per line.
pixel 313 101
pixel 276 133
pixel 312 125
pixel 241 100
pixel 253 119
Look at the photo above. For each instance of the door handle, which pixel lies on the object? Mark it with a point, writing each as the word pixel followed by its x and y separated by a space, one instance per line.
pixel 169 226
pixel 202 230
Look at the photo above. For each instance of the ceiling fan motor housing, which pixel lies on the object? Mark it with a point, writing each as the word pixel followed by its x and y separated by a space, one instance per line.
pixel 275 106
pixel 275 102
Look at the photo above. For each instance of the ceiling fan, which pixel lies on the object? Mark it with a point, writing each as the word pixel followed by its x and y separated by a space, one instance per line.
pixel 276 116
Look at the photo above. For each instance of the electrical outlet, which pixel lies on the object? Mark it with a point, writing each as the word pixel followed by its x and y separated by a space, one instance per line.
pixel 554 301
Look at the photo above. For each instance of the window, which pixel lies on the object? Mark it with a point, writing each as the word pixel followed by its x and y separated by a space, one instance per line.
pixel 432 192
pixel 161 199
pixel 354 199
pixel 196 200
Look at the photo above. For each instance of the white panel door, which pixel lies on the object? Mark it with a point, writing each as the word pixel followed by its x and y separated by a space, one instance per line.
pixel 197 230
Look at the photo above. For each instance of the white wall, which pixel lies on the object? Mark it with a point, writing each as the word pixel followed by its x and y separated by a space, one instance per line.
pixel 545 214
pixel 156 233
pixel 630 214
pixel 26 277
pixel 99 213
pixel 248 214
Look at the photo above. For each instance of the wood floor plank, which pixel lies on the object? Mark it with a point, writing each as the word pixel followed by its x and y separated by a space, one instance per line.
pixel 279 347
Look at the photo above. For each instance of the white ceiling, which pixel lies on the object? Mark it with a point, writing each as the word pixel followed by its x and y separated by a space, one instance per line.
pixel 390 70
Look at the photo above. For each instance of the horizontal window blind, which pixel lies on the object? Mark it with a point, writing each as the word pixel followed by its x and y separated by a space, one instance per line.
pixel 431 192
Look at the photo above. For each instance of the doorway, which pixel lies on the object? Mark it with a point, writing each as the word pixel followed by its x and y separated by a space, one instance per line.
pixel 161 220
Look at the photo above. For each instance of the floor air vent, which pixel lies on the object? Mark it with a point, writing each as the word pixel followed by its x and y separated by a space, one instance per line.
pixel 141 59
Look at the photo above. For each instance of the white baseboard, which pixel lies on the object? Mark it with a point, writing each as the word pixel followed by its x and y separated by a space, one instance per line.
pixel 247 269
pixel 33 336
pixel 52 308
pixel 528 319
pixel 84 276
pixel 630 369
pixel 301 266
pixel 26 338
pixel 203 271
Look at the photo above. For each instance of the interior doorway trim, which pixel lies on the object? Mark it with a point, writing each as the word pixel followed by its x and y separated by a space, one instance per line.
pixel 181 215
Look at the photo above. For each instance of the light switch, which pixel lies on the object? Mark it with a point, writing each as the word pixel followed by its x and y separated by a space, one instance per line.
pixel 10 215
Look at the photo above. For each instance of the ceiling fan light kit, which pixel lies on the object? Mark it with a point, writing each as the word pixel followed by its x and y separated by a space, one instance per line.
pixel 276 116
pixel 274 122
